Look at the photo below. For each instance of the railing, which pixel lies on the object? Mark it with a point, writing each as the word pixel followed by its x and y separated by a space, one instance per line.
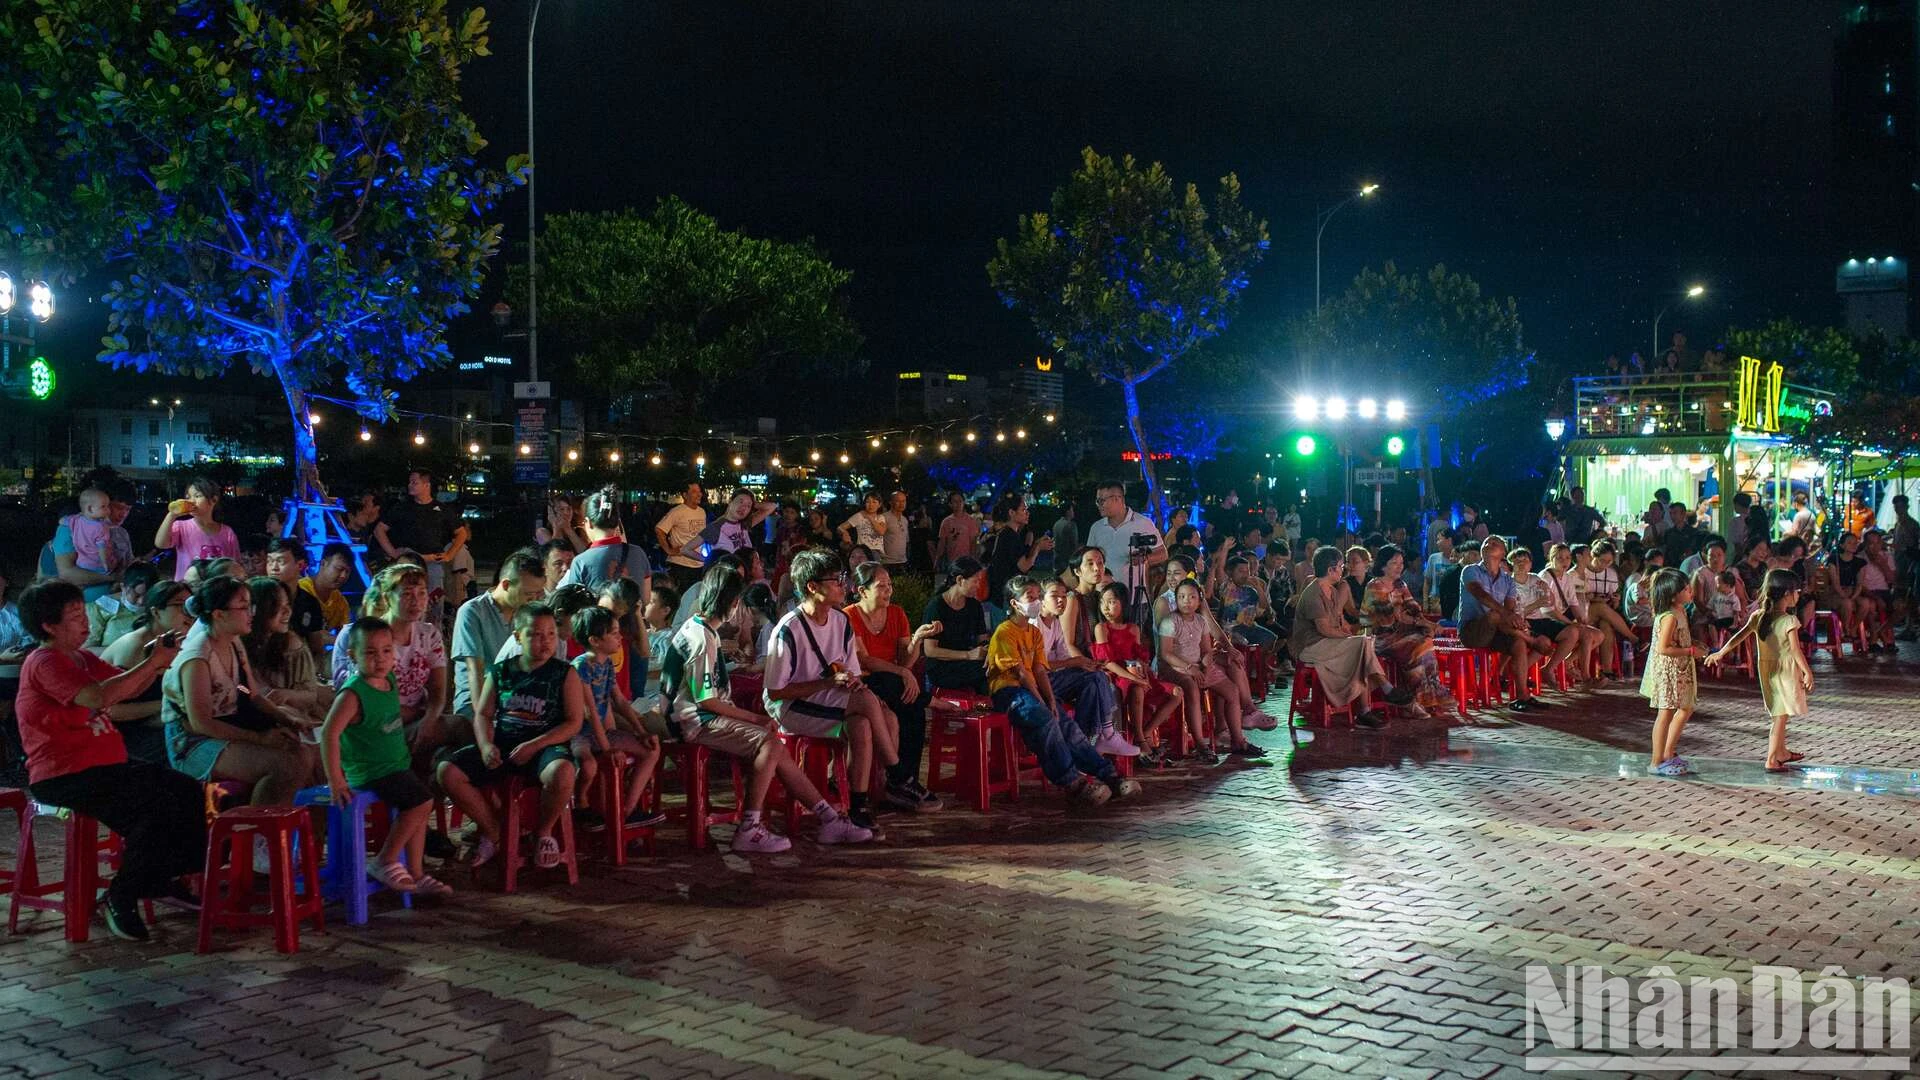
pixel 1628 406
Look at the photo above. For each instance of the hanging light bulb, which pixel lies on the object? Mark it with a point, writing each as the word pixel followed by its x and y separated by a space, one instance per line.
pixel 970 436
pixel 1020 433
pixel 1049 418
pixel 365 435
pixel 943 446
pixel 844 458
pixel 573 455
pixel 911 449
pixel 525 450
pixel 999 436
pixel 738 461
pixel 815 455
pixel 774 461
pixel 419 438
pixel 874 442
pixel 313 419
pixel 700 461
pixel 473 448
pixel 613 456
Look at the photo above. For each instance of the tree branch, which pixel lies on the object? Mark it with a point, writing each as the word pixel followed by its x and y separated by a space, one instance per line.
pixel 219 316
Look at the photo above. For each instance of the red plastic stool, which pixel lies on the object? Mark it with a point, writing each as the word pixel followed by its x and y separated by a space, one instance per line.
pixel 1456 672
pixel 979 746
pixel 692 761
pixel 230 895
pixel 816 757
pixel 1259 670
pixel 1836 634
pixel 13 799
pixel 78 892
pixel 609 796
pixel 1308 701
pixel 519 807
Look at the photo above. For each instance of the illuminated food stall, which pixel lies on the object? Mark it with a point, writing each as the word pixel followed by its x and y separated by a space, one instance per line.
pixel 1697 435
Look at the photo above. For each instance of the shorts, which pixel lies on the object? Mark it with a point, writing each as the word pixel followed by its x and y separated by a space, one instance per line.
pixel 736 738
pixel 401 790
pixel 813 721
pixel 470 762
pixel 195 755
pixel 1546 628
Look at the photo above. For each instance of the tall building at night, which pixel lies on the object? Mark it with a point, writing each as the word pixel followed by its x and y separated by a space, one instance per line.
pixel 1876 166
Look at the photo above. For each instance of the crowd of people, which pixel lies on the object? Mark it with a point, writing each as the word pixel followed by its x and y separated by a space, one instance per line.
pixel 134 680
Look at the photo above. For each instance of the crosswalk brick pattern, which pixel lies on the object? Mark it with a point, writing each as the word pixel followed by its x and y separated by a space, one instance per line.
pixel 1365 906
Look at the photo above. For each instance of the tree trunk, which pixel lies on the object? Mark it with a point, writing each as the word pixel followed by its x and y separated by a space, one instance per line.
pixel 306 456
pixel 1155 510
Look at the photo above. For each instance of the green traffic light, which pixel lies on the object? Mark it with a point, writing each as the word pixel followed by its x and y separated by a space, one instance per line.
pixel 1305 446
pixel 1396 445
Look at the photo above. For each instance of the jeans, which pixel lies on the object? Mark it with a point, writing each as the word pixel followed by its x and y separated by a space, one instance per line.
pixel 160 813
pixel 913 722
pixel 1062 748
pixel 1091 695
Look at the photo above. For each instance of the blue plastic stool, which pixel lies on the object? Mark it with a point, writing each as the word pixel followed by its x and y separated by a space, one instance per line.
pixel 343 874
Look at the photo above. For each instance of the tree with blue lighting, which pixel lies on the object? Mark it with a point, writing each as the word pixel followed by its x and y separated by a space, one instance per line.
pixel 1125 274
pixel 289 183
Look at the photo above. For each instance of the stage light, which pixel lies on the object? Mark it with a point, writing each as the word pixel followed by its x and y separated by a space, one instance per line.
pixel 1336 408
pixel 1305 408
pixel 1396 409
pixel 40 300
pixel 1396 446
pixel 1305 446
pixel 1369 408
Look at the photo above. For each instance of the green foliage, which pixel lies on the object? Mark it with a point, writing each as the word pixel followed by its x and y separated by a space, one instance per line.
pixel 912 591
pixel 1873 380
pixel 1436 328
pixel 673 297
pixel 1125 274
pixel 289 183
pixel 1819 356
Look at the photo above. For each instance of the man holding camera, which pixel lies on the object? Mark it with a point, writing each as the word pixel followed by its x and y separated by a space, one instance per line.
pixel 1131 541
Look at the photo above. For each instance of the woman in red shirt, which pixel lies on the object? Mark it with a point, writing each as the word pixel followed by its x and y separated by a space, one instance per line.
pixel 76 759
pixel 887 656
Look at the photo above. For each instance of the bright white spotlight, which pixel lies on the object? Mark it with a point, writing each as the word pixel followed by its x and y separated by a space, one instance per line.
pixel 1336 408
pixel 6 293
pixel 1369 408
pixel 40 300
pixel 1305 408
pixel 1396 409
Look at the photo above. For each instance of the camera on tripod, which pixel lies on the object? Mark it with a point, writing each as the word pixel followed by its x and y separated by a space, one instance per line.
pixel 1141 543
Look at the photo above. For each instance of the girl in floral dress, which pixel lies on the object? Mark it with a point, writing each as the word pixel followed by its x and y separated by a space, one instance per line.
pixel 1669 683
pixel 1404 640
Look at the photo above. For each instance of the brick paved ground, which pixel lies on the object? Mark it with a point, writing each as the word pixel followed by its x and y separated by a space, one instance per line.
pixel 1364 907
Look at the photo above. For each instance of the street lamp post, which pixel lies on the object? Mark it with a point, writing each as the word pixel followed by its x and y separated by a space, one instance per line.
pixel 1694 292
pixel 533 175
pixel 1326 216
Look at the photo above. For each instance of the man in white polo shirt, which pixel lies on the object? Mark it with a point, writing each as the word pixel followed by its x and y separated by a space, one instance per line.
pixel 676 529
pixel 1113 533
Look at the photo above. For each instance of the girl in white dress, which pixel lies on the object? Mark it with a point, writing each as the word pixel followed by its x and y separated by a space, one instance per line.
pixel 1785 678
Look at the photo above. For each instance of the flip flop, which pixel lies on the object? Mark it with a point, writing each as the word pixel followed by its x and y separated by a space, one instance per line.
pixel 1771 767
pixel 1793 757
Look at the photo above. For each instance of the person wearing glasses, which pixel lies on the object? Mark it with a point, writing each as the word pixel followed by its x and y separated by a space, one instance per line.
pixel 218 727
pixel 163 610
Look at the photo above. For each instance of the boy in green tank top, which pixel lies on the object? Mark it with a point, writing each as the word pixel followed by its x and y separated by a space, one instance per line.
pixel 363 747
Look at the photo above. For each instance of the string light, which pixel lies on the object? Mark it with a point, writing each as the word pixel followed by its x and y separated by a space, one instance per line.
pixel 313 419
pixel 738 461
pixel 844 458
pixel 911 449
pixel 874 442
pixel 365 435
pixel 943 446
pixel 654 460
pixel 999 436
pixel 473 448
pixel 613 456
pixel 970 436
pixel 573 455
pixel 525 450
pixel 419 438
pixel 1020 434
pixel 774 461
pixel 1049 418
pixel 815 455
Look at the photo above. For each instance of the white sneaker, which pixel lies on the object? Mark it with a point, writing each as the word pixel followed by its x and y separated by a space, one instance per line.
pixel 757 839
pixel 1112 742
pixel 842 831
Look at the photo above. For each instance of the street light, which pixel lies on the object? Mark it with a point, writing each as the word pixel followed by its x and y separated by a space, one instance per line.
pixel 1694 292
pixel 1365 191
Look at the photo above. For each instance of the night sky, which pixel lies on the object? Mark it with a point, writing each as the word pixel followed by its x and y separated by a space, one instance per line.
pixel 1587 162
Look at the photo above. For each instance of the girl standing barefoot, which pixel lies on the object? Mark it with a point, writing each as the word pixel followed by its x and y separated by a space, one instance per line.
pixel 1785 678
pixel 1669 684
